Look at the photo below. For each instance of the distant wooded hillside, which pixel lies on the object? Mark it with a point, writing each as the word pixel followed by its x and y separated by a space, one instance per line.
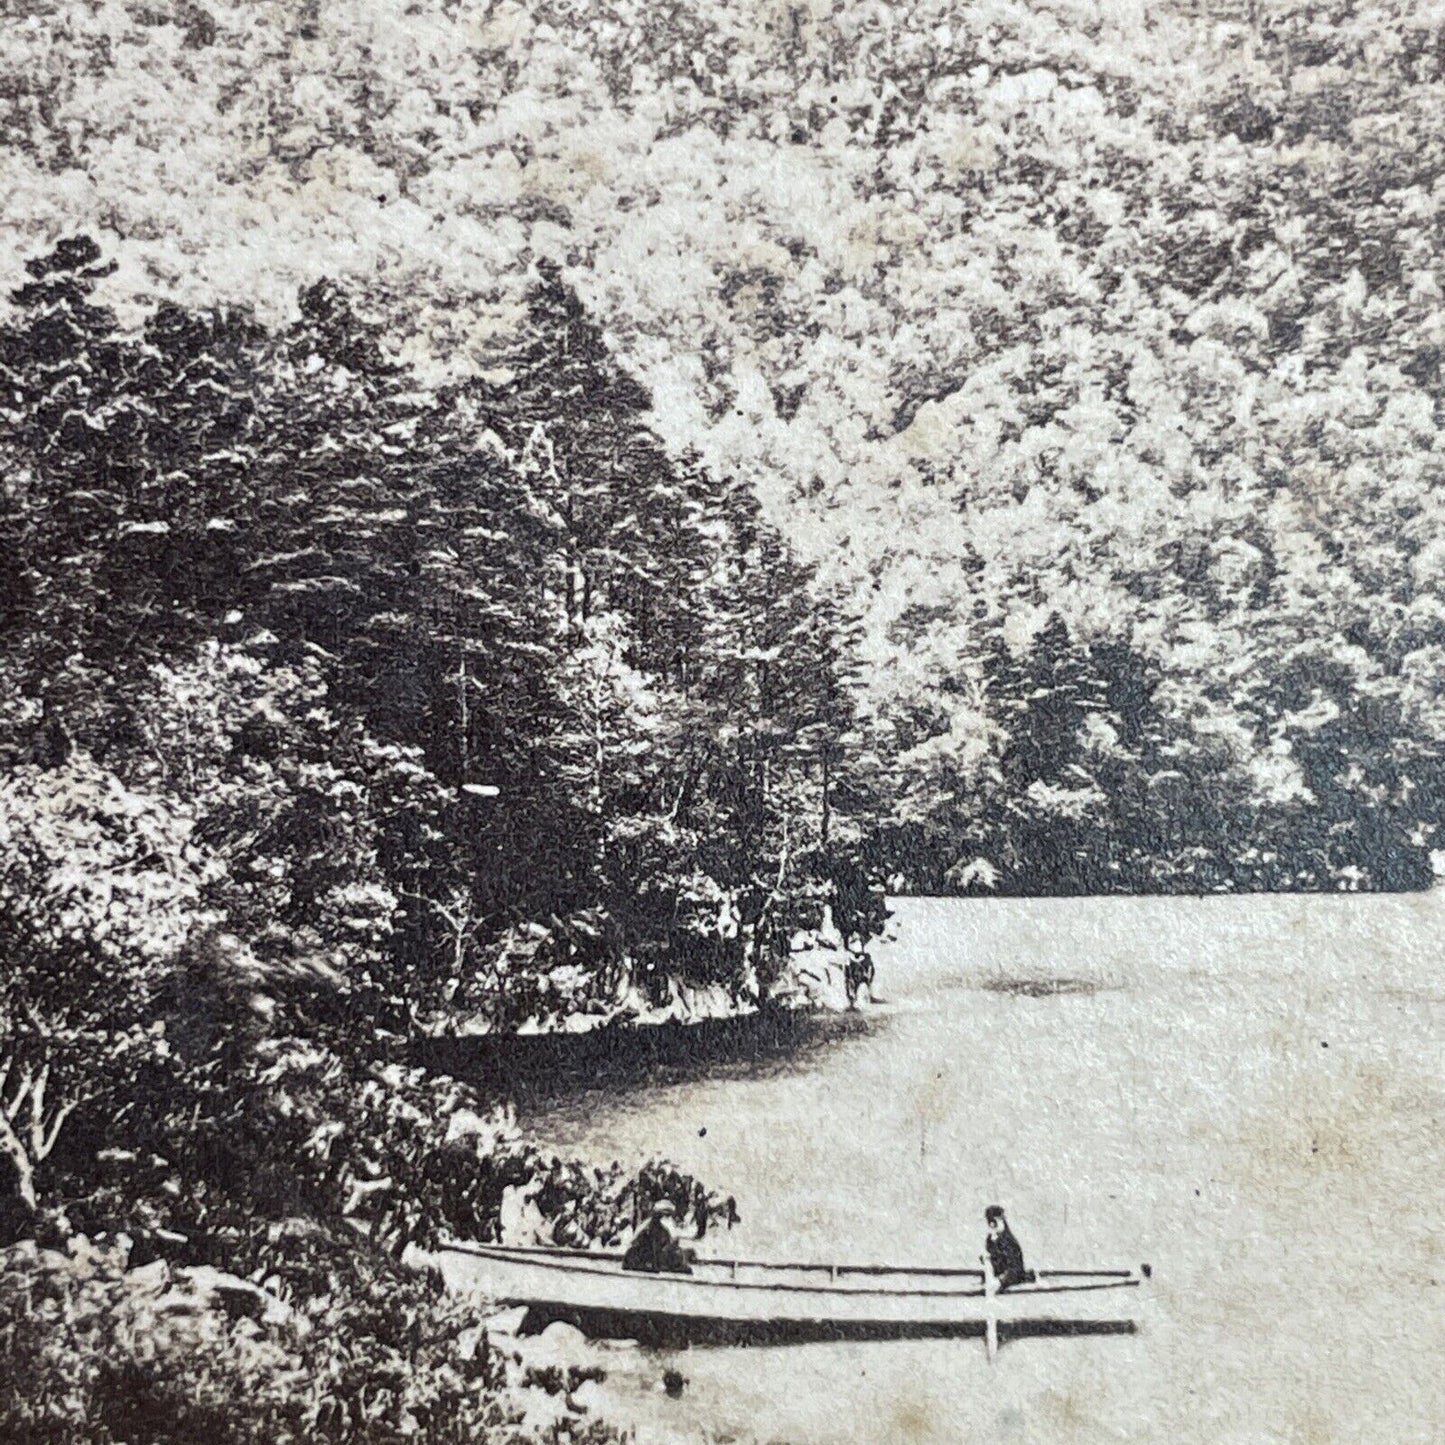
pixel 1091 351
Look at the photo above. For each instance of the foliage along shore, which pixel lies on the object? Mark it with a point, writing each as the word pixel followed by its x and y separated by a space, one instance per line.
pixel 334 711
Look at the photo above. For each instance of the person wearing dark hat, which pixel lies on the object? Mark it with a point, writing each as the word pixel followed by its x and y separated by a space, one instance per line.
pixel 654 1249
pixel 1005 1254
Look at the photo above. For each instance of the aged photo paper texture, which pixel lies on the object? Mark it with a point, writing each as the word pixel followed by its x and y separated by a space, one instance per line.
pixel 722 722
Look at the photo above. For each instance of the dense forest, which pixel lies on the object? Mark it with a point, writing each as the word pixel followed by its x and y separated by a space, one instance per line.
pixel 477 686
pixel 1090 351
pixel 338 710
pixel 519 517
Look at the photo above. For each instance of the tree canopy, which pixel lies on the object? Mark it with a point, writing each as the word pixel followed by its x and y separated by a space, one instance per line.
pixel 337 711
pixel 1121 319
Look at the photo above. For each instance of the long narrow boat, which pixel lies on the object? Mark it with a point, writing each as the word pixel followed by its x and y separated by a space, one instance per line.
pixel 752 1301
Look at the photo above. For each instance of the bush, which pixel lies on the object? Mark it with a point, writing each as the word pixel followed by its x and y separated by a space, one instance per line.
pixel 93 1351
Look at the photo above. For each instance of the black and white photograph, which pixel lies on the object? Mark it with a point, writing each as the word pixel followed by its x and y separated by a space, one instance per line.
pixel 722 722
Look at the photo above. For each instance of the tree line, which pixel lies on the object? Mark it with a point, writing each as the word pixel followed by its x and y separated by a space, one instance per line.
pixel 1092 771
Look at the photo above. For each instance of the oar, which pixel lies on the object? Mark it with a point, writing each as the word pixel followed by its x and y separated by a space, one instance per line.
pixel 990 1308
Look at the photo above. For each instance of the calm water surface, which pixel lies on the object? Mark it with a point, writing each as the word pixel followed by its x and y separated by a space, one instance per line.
pixel 1247 1093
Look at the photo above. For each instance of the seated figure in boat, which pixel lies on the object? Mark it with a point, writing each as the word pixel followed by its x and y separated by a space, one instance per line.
pixel 655 1249
pixel 1005 1254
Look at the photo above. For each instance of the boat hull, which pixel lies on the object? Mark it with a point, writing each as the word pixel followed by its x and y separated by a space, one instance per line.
pixel 739 1302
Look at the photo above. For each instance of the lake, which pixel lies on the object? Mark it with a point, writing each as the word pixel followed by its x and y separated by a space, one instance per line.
pixel 1247 1093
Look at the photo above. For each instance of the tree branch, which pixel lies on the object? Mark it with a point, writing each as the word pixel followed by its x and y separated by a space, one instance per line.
pixel 37 1111
pixel 57 1122
pixel 11 1109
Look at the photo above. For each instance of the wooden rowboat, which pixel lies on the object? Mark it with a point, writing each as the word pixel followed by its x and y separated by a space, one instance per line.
pixel 752 1301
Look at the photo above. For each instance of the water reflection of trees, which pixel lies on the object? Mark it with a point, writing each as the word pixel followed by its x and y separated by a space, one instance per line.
pixel 548 1067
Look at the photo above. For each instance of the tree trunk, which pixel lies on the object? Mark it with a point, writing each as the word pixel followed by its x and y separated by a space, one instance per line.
pixel 24 1169
pixel 27 1147
pixel 825 822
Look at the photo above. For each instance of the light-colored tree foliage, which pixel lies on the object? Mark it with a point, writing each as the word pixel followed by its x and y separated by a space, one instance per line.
pixel 1120 315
